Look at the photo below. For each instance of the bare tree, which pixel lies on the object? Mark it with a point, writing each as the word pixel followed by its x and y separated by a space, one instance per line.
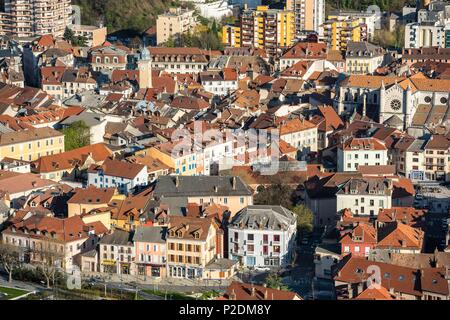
pixel 10 258
pixel 49 257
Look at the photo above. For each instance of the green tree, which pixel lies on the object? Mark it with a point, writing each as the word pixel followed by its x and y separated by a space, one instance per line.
pixel 76 135
pixel 170 43
pixel 69 34
pixel 274 281
pixel 304 218
pixel 275 194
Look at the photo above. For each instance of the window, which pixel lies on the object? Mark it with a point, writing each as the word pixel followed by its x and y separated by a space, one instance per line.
pixel 346 249
pixel 357 249
pixel 250 237
pixel 276 238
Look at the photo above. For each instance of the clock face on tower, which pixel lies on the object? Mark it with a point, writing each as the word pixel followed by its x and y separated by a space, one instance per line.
pixel 396 104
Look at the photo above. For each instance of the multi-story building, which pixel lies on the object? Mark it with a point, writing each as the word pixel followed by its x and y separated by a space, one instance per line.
pixel 339 31
pixel 363 57
pixel 125 176
pixel 372 20
pixel 309 14
pixel 301 134
pixel 231 36
pixel 191 245
pixel 178 60
pixel 117 253
pixel 419 35
pixel 265 28
pixel 173 23
pixel 150 248
pixel 357 152
pixel 365 196
pixel 262 236
pixel 437 150
pixel 28 18
pixel 219 83
pixel 31 144
pixel 223 190
pixel 109 57
pixel 95 36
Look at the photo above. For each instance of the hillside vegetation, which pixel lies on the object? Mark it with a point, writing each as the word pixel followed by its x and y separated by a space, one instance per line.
pixel 123 14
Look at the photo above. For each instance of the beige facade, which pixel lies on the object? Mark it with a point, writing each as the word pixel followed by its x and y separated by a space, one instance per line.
pixel 27 18
pixel 174 23
pixel 95 36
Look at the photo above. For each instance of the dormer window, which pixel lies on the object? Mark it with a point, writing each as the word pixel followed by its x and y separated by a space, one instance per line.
pixel 196 235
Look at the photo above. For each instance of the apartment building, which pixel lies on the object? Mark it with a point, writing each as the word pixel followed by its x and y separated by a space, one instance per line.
pixel 228 191
pixel 29 18
pixel 31 144
pixel 262 236
pixel 174 23
pixel 178 60
pixel 301 134
pixel 268 29
pixel 357 152
pixel 191 245
pixel 437 150
pixel 371 19
pixel 94 35
pixel 420 35
pixel 231 36
pixel 365 196
pixel 363 57
pixel 117 253
pixel 309 14
pixel 338 31
pixel 42 237
pixel 150 248
pixel 125 176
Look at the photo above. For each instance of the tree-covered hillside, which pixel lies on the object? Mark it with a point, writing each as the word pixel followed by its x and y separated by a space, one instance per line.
pixel 123 14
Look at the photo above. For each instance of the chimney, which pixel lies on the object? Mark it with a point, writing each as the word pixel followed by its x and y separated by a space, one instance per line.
pixel 266 295
pixel 232 295
pixel 177 181
pixel 216 188
pixel 253 291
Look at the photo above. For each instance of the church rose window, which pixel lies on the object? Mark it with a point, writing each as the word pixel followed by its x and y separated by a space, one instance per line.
pixel 396 104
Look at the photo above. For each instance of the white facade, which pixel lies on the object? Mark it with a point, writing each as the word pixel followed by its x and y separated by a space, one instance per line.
pixel 220 87
pixel 215 10
pixel 350 160
pixel 124 185
pixel 363 204
pixel 304 140
pixel 418 35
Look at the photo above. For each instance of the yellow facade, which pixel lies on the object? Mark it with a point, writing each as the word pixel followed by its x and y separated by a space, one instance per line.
pixel 185 165
pixel 231 36
pixel 31 145
pixel 339 32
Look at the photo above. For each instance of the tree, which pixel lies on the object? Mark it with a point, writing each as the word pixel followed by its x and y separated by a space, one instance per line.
pixel 304 218
pixel 10 258
pixel 76 135
pixel 170 43
pixel 274 281
pixel 69 34
pixel 49 257
pixel 275 194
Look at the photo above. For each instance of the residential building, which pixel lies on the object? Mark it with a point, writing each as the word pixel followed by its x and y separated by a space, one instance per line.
pixel 40 236
pixel 29 18
pixel 400 238
pixel 173 23
pixel 117 253
pixel 269 29
pixel 31 144
pixel 303 51
pixel 338 31
pixel 301 134
pixel 309 14
pixel 371 19
pixel 150 249
pixel 419 35
pixel 363 57
pixel 359 240
pixel 356 152
pixel 365 196
pixel 191 245
pixel 71 165
pixel 262 236
pixel 124 176
pixel 178 60
pixel 85 200
pixel 219 83
pixel 94 35
pixel 437 151
pixel 108 57
pixel 231 36
pixel 223 190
